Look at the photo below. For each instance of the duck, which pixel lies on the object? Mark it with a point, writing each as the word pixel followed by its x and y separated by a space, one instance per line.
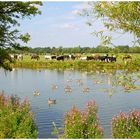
pixel 86 89
pixel 67 89
pixel 54 86
pixel 69 80
pixel 79 82
pixel 51 101
pixel 98 82
pixel 36 93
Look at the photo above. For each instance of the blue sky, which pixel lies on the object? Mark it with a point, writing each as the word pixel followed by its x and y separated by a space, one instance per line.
pixel 59 25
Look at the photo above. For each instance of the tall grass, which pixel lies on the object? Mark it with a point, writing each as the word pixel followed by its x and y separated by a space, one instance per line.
pixel 79 65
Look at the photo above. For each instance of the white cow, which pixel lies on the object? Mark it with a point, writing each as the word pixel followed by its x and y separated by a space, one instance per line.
pixel 12 56
pixel 20 57
pixel 48 57
pixel 83 58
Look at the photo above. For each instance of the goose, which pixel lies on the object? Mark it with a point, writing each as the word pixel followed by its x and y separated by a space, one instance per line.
pixel 79 81
pixel 67 89
pixel 54 86
pixel 36 93
pixel 98 82
pixel 69 80
pixel 51 101
pixel 86 89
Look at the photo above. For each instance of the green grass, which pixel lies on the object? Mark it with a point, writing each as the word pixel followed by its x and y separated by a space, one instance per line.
pixel 80 64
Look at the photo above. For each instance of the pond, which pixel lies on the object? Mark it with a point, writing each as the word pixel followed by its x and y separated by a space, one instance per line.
pixel 110 101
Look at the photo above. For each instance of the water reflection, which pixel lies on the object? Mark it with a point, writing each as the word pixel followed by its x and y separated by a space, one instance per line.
pixel 100 86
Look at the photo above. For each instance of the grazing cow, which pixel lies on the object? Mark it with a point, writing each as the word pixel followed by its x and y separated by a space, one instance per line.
pixel 83 58
pixel 77 56
pixel 66 57
pixel 96 57
pixel 112 59
pixel 104 58
pixel 60 57
pixel 71 56
pixel 35 56
pixel 90 58
pixel 20 57
pixel 127 57
pixel 14 56
pixel 53 57
pixel 48 57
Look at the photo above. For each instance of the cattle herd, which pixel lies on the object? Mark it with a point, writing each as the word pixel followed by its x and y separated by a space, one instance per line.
pixel 96 57
pixel 104 58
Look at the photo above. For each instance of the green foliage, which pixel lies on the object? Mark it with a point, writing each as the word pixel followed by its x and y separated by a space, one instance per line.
pixel 127 81
pixel 82 50
pixel 25 38
pixel 5 59
pixel 10 13
pixel 116 16
pixel 16 120
pixel 126 125
pixel 82 124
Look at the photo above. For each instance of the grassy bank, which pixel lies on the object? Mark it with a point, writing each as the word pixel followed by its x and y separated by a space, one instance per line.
pixel 91 65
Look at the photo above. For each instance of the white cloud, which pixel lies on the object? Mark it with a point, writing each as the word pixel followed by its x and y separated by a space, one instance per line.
pixel 79 7
pixel 53 8
pixel 69 26
pixel 65 26
pixel 76 12
pixel 70 17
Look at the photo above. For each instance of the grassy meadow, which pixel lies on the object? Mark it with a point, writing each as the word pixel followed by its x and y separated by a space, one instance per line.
pixel 77 64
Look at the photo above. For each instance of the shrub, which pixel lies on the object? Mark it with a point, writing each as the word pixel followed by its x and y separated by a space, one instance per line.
pixel 16 120
pixel 82 124
pixel 126 125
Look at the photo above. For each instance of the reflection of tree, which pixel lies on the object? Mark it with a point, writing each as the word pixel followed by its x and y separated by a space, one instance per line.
pixel 127 81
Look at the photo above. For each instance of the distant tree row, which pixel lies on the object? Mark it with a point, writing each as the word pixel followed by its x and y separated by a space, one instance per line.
pixel 72 50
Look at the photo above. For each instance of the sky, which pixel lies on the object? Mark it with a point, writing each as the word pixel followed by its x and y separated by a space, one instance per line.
pixel 60 25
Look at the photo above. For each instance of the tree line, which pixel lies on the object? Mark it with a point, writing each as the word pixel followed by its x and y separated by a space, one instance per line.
pixel 73 50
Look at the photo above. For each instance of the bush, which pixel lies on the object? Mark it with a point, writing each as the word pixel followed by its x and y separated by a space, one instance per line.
pixel 82 124
pixel 16 120
pixel 126 125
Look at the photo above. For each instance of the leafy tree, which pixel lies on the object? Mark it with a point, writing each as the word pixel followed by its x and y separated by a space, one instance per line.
pixel 115 16
pixel 10 13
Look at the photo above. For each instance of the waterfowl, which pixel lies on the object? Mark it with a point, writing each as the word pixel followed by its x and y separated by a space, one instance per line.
pixel 79 82
pixel 36 93
pixel 54 86
pixel 69 80
pixel 67 89
pixel 86 89
pixel 98 82
pixel 51 101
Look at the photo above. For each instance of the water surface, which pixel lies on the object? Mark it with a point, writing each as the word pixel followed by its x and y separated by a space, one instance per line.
pixel 24 82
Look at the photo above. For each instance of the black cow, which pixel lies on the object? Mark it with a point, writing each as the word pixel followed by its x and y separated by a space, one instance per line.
pixel 60 57
pixel 66 57
pixel 112 59
pixel 103 58
pixel 90 58
pixel 35 56
pixel 127 57
pixel 72 57
pixel 53 57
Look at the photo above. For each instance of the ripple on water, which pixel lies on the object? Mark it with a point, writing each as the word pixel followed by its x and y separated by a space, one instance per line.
pixel 24 81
